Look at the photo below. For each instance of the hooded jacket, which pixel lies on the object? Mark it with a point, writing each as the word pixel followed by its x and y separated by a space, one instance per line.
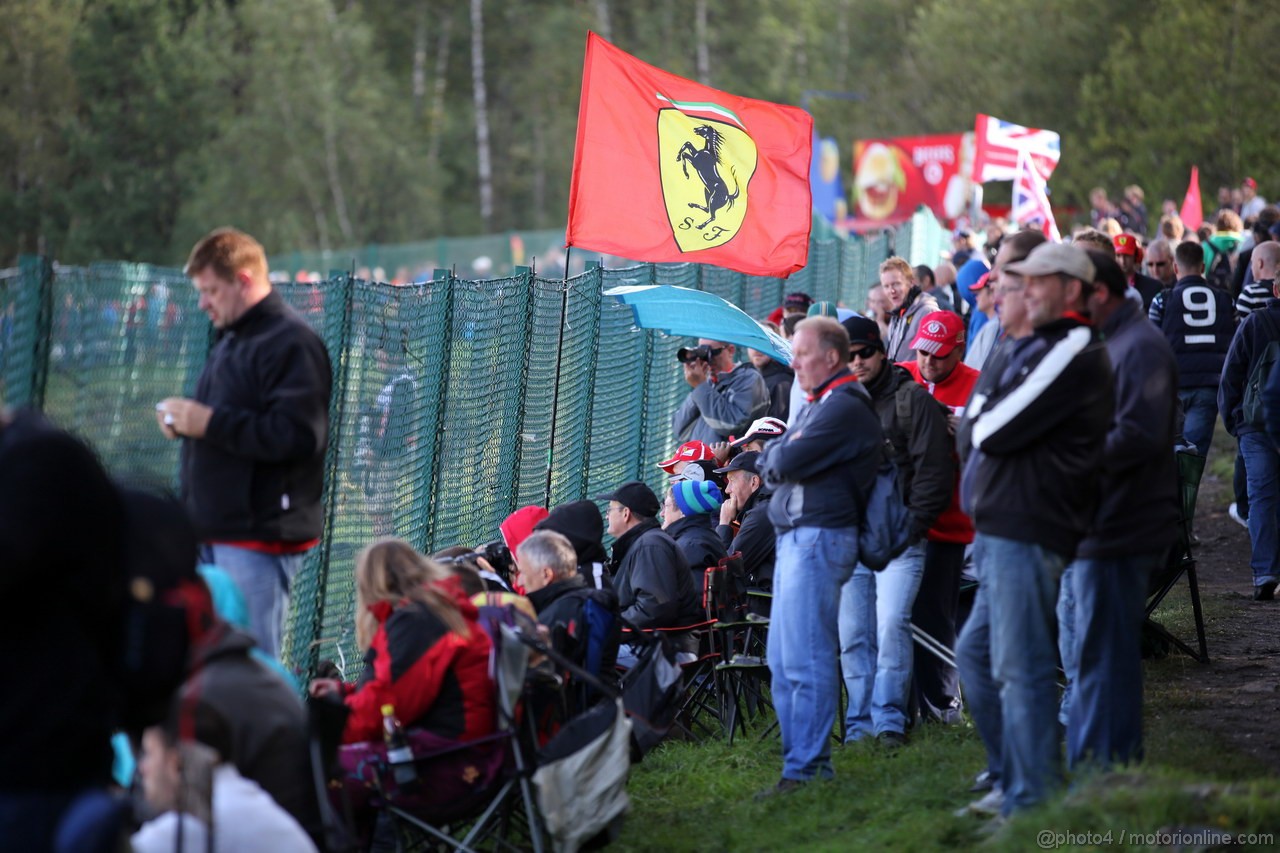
pixel 652 578
pixel 580 523
pixel 722 407
pixel 904 323
pixel 1032 436
pixel 437 680
pixel 258 473
pixel 822 468
pixel 1138 509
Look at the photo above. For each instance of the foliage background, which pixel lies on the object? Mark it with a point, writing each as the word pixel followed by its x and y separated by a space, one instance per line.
pixel 129 127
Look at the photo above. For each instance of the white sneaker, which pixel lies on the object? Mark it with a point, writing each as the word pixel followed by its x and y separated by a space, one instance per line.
pixel 1234 512
pixel 988 806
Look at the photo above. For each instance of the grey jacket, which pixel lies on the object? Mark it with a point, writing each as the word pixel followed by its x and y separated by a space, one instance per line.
pixel 715 410
pixel 905 323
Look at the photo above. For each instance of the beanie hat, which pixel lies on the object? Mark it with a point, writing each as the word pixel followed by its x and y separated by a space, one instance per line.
pixel 696 497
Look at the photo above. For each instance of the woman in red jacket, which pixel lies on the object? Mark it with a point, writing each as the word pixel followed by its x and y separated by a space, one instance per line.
pixel 425 654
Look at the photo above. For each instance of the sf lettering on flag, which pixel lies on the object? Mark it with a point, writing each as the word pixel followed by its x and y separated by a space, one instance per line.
pixel 666 169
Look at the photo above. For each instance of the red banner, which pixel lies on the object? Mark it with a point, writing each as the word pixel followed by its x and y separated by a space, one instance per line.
pixel 894 177
pixel 666 169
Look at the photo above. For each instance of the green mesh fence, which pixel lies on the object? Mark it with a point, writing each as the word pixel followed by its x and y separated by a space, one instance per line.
pixel 456 401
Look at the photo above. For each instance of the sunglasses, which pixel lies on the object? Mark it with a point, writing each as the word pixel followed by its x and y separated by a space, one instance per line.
pixel 864 353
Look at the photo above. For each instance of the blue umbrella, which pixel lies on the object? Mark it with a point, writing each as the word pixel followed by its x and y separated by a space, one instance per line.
pixel 697 314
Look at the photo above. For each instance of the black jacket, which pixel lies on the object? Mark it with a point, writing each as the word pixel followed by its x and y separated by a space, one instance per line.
pixel 1198 322
pixel 580 523
pixel 265 722
pixel 698 542
pixel 822 468
pixel 922 449
pixel 561 607
pixel 754 539
pixel 1033 437
pixel 652 578
pixel 1251 339
pixel 778 378
pixel 259 471
pixel 1138 509
pixel 1147 288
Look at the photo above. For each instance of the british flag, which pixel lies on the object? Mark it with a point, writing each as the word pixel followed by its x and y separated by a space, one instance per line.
pixel 1031 200
pixel 998 143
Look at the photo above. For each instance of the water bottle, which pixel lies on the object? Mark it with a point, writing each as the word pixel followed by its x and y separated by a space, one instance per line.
pixel 399 753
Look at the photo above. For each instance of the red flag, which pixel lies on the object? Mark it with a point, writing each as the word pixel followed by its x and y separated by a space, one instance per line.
pixel 1192 212
pixel 666 169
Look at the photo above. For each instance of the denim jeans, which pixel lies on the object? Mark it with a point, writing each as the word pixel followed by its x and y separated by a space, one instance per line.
pixel 1104 726
pixel 1013 618
pixel 1262 471
pixel 1067 639
pixel 265 581
pixel 812 565
pixel 1200 412
pixel 875 644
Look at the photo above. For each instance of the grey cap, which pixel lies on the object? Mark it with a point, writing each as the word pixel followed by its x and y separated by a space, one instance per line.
pixel 1055 259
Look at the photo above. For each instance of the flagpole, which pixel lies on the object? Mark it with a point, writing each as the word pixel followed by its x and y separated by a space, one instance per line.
pixel 555 393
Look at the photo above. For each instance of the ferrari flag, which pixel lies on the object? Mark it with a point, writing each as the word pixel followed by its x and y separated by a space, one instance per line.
pixel 666 169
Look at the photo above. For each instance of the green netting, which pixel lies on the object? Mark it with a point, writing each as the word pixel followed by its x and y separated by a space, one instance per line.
pixel 489 365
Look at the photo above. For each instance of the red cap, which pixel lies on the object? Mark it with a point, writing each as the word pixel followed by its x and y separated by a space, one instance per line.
pixel 940 333
pixel 1125 244
pixel 1250 183
pixel 982 282
pixel 690 451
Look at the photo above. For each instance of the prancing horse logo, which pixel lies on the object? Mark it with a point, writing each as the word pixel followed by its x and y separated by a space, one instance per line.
pixel 707 164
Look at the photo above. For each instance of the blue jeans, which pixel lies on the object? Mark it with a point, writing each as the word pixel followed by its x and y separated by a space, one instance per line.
pixel 1067 639
pixel 1007 649
pixel 265 581
pixel 875 644
pixel 1105 720
pixel 1262 472
pixel 812 565
pixel 1200 413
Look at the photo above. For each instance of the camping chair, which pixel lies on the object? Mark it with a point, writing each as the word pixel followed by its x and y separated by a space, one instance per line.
pixel 700 698
pixel 741 675
pixel 1181 560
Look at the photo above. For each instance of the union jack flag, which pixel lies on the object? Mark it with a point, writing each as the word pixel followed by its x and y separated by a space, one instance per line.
pixel 997 145
pixel 1031 200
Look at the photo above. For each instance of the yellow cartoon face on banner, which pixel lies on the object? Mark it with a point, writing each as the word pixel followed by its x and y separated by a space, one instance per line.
pixel 705 166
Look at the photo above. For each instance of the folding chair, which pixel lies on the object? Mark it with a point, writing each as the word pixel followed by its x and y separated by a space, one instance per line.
pixel 1181 561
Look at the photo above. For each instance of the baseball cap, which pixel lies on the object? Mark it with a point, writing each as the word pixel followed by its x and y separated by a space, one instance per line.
pixel 823 309
pixel 982 282
pixel 863 332
pixel 940 333
pixel 635 496
pixel 798 299
pixel 1055 259
pixel 697 470
pixel 690 451
pixel 696 498
pixel 742 462
pixel 1125 244
pixel 1250 183
pixel 763 428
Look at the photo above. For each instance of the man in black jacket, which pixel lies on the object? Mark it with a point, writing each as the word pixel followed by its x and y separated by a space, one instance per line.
pixel 821 472
pixel 1104 590
pixel 547 564
pixel 254 436
pixel 1033 436
pixel 745 527
pixel 650 574
pixel 875 607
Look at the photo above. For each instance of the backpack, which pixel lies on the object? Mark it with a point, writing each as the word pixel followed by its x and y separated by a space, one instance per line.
pixel 1220 275
pixel 1251 409
pixel 885 528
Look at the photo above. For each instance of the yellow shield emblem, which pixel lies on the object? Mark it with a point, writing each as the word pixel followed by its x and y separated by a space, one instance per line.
pixel 705 166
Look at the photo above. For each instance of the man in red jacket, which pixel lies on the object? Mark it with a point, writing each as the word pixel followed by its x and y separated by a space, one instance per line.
pixel 939 368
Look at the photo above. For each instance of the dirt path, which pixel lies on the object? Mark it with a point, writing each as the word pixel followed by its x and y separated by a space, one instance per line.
pixel 1237 696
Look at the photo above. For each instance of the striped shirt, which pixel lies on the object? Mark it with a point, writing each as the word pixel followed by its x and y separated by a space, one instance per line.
pixel 1253 296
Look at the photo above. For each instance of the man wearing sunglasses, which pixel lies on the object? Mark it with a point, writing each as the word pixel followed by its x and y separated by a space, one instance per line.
pixel 724 398
pixel 875 607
